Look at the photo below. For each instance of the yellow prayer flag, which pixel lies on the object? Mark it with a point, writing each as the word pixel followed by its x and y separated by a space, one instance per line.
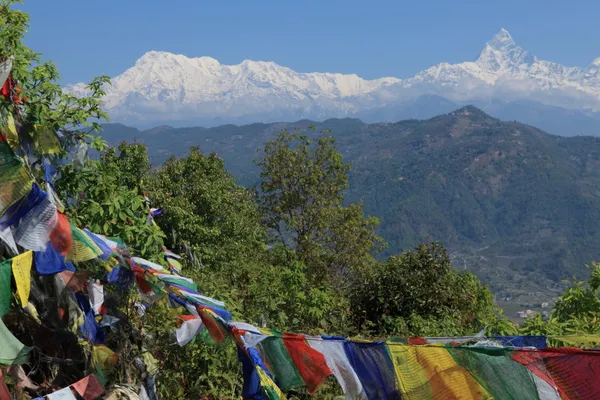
pixel 430 372
pixel 21 268
pixel 273 392
pixel 12 137
pixel 47 142
pixel 104 357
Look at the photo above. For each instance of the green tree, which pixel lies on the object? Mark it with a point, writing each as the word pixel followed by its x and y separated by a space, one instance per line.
pixel 301 197
pixel 420 293
pixel 205 209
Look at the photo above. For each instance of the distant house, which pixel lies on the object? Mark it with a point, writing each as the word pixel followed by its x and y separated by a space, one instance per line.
pixel 526 313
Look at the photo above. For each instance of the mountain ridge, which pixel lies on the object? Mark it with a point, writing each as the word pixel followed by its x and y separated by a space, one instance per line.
pixel 169 88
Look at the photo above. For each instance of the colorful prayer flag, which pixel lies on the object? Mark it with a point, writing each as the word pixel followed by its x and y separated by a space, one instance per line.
pixel 337 361
pixel 4 393
pixel 189 328
pixel 5 292
pixel 12 351
pixel 309 362
pixel 62 394
pixel 21 268
pixel 373 365
pixel 89 387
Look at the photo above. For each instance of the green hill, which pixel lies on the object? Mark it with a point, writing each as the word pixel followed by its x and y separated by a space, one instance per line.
pixel 518 206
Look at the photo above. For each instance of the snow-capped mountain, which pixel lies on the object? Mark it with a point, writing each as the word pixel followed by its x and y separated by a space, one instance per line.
pixel 165 87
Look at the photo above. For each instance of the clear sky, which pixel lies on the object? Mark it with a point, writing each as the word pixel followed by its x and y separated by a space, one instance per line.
pixel 372 38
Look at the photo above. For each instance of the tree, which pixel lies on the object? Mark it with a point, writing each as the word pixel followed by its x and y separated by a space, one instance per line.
pixel 205 209
pixel 420 293
pixel 301 197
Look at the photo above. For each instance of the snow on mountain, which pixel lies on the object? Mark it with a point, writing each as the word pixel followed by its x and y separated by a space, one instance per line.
pixel 162 86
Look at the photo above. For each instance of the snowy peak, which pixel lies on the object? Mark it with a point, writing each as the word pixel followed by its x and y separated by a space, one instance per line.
pixel 502 53
pixel 502 40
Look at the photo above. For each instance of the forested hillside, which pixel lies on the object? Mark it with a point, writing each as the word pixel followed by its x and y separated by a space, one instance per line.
pixel 512 203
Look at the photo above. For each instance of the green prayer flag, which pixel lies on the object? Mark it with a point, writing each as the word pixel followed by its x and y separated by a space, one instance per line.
pixel 284 370
pixel 496 372
pixel 5 292
pixel 12 351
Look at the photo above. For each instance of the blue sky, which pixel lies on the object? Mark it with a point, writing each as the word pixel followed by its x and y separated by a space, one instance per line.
pixel 370 38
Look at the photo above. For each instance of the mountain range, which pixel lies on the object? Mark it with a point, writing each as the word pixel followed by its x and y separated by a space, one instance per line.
pixel 516 205
pixel 505 81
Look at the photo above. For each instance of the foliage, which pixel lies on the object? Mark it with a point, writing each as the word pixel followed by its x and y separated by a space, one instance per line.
pixel 283 295
pixel 205 209
pixel 420 293
pixel 199 370
pixel 96 197
pixel 576 312
pixel 301 197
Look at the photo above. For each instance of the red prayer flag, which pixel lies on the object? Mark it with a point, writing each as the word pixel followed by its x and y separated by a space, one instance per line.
pixel 76 281
pixel 416 341
pixel 214 326
pixel 573 372
pixel 89 387
pixel 4 394
pixel 309 362
pixel 61 236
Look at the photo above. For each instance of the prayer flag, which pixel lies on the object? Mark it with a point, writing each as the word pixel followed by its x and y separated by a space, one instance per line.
pixel 5 292
pixel 89 387
pixel 21 268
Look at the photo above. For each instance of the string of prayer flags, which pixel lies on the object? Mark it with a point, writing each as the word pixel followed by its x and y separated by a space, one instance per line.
pixel 280 363
pixel 172 259
pixel 101 243
pixel 34 228
pixel 431 372
pixel 147 264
